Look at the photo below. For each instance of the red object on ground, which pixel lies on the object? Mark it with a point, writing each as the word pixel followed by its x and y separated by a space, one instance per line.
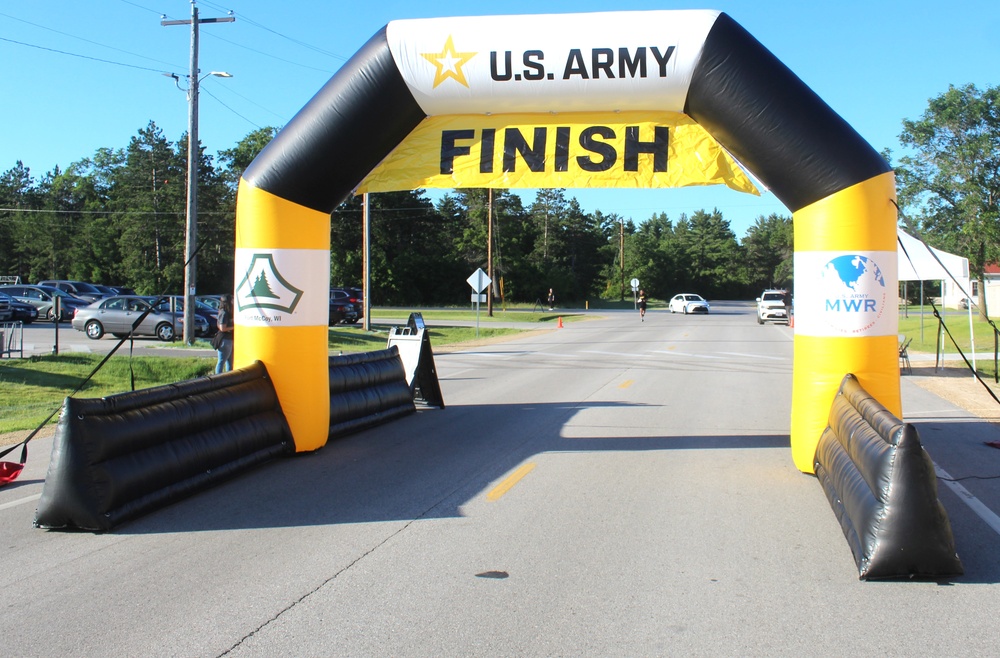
pixel 10 470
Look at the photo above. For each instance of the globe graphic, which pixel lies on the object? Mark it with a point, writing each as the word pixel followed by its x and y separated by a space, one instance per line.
pixel 855 273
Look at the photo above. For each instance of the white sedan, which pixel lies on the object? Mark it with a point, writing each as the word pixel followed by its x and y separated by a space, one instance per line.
pixel 688 303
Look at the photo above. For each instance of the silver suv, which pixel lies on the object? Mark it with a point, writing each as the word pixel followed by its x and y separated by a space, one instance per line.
pixel 771 306
pixel 85 291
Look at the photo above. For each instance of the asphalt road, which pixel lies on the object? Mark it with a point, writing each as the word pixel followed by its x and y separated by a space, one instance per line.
pixel 611 488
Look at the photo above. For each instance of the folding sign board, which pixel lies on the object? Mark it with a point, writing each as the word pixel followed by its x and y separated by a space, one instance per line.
pixel 414 344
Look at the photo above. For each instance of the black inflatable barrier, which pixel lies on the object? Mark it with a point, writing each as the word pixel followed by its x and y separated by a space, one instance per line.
pixel 881 485
pixel 367 389
pixel 116 458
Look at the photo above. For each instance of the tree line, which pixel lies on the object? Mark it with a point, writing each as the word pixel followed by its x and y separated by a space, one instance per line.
pixel 119 217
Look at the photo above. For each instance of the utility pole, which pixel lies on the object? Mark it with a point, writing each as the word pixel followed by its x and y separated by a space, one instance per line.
pixel 489 250
pixel 366 241
pixel 621 251
pixel 191 242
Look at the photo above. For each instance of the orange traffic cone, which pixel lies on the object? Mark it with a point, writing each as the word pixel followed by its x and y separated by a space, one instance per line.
pixel 559 326
pixel 791 320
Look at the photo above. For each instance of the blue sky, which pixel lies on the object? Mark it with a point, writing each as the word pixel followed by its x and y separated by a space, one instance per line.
pixel 79 76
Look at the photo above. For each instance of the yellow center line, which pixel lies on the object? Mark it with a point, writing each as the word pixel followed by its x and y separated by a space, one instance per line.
pixel 626 383
pixel 511 480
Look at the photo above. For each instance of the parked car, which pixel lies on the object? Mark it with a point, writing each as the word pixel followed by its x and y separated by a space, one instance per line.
pixel 341 310
pixel 688 303
pixel 43 298
pixel 352 296
pixel 212 301
pixel 116 315
pixel 19 311
pixel 772 306
pixel 201 309
pixel 86 291
pixel 111 291
pixel 6 312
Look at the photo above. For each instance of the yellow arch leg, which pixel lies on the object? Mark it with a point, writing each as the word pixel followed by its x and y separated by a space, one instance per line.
pixel 281 306
pixel 851 330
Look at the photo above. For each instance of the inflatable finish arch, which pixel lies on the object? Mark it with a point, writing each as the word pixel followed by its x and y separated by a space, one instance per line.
pixel 700 64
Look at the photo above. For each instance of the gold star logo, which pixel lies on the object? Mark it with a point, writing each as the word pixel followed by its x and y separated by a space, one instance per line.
pixel 448 63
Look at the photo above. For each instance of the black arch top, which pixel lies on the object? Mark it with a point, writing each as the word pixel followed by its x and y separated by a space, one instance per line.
pixel 740 93
pixel 342 133
pixel 773 123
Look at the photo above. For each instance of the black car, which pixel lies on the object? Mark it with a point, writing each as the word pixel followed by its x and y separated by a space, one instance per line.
pixel 21 311
pixel 351 297
pixel 6 312
pixel 342 310
pixel 111 291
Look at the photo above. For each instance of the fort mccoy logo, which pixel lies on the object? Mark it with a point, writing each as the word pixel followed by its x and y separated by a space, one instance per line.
pixel 264 293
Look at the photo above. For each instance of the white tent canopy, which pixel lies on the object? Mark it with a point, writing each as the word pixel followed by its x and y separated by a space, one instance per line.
pixel 923 263
pixel 917 263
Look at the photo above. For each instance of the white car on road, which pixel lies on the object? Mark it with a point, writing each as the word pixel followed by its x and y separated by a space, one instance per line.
pixel 688 303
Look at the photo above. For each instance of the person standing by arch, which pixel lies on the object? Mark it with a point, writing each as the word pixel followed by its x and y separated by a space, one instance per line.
pixel 642 305
pixel 223 340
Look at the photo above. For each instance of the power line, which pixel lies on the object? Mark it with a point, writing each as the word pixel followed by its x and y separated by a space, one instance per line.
pixel 96 59
pixel 205 91
pixel 275 32
pixel 259 52
pixel 152 11
pixel 229 90
pixel 73 36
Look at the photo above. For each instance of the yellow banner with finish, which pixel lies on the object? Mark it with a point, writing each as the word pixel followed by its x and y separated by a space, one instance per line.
pixel 573 150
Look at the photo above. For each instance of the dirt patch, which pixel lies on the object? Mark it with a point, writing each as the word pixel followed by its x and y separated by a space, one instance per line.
pixel 12 438
pixel 461 347
pixel 958 386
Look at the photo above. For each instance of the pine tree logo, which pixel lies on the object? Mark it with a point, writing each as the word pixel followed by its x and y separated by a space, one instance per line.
pixel 263 287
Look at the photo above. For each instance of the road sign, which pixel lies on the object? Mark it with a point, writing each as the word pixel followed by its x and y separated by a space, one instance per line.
pixel 479 280
pixel 635 284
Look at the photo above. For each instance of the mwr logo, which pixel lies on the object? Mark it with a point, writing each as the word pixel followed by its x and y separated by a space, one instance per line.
pixel 854 293
pixel 263 288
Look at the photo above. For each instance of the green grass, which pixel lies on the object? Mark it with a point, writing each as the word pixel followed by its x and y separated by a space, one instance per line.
pixel 31 389
pixel 957 324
